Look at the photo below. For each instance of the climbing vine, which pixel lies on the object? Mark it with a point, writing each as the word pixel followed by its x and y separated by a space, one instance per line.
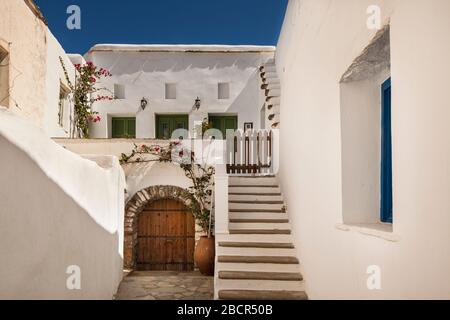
pixel 86 92
pixel 201 176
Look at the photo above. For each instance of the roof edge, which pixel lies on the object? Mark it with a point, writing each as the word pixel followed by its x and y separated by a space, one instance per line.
pixel 182 48
pixel 36 11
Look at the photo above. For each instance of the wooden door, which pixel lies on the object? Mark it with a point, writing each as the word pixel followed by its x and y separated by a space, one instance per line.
pixel 166 237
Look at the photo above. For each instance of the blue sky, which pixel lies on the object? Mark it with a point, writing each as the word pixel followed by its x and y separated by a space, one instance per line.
pixel 256 22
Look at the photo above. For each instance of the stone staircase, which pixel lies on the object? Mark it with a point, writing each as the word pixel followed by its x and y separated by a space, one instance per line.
pixel 257 260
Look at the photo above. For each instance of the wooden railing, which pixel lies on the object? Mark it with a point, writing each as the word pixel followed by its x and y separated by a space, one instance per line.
pixel 249 152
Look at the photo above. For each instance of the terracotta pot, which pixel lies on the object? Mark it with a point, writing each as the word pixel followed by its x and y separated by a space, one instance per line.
pixel 205 254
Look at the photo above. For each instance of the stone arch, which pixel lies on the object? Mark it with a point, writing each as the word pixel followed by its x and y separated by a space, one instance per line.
pixel 136 205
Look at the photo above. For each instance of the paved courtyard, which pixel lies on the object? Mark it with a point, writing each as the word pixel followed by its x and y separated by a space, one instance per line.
pixel 156 285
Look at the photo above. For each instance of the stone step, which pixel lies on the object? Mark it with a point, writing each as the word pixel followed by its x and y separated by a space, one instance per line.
pixel 269 68
pixel 229 244
pixel 255 198
pixel 258 267
pixel 255 207
pixel 271 86
pixel 259 228
pixel 251 275
pixel 261 190
pixel 259 231
pixel 262 295
pixel 253 180
pixel 258 259
pixel 258 217
pixel 273 92
pixel 255 238
pixel 271 80
pixel 256 252
pixel 273 100
pixel 269 75
pixel 257 220
pixel 266 285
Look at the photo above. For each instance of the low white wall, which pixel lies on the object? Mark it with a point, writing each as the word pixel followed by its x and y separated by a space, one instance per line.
pixel 143 175
pixel 57 210
pixel 319 41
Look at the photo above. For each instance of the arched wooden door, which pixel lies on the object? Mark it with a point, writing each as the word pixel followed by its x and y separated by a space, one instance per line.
pixel 166 237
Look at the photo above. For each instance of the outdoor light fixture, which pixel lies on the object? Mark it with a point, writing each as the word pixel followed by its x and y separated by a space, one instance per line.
pixel 144 103
pixel 197 103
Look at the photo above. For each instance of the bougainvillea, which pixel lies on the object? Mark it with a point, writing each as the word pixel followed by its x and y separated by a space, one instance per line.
pixel 86 92
pixel 201 176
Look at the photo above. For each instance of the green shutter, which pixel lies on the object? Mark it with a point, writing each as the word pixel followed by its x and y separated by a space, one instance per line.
pixel 167 124
pixel 123 128
pixel 224 123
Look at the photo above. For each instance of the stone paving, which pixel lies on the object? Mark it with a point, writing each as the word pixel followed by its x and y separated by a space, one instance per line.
pixel 157 285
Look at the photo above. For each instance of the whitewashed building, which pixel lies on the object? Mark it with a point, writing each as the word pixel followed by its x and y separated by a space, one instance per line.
pixel 160 88
pixel 356 207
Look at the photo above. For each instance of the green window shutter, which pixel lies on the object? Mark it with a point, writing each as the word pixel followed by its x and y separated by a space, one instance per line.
pixel 123 128
pixel 224 123
pixel 167 124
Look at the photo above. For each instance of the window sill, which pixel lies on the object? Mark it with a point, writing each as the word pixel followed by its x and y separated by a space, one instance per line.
pixel 378 230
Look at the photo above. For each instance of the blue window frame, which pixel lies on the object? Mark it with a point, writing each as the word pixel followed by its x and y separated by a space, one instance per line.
pixel 386 153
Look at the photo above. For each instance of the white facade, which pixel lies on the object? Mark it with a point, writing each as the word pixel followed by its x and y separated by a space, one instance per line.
pixel 332 211
pixel 31 74
pixel 185 72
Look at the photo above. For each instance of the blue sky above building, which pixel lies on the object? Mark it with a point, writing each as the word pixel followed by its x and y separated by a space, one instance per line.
pixel 232 22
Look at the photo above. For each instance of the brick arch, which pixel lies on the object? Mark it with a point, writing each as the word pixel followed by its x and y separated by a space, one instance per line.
pixel 136 205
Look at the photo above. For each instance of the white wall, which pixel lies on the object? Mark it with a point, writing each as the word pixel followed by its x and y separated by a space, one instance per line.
pixel 55 76
pixel 138 176
pixel 57 210
pixel 34 67
pixel 319 41
pixel 145 74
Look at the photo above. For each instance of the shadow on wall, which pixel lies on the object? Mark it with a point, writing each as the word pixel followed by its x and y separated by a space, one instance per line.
pixel 143 175
pixel 249 93
pixel 134 62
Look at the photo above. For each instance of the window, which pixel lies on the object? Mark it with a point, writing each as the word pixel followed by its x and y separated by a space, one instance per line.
pixel 63 105
pixel 224 91
pixel 119 91
pixel 224 123
pixel 124 128
pixel 366 147
pixel 171 91
pixel 4 77
pixel 167 124
pixel 386 153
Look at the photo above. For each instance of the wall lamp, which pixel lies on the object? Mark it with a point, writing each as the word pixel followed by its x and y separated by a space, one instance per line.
pixel 197 103
pixel 144 103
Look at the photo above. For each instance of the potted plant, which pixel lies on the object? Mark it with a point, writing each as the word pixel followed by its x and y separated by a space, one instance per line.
pixel 199 195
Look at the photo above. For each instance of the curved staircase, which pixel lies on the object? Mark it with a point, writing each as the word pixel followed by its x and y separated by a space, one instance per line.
pixel 257 260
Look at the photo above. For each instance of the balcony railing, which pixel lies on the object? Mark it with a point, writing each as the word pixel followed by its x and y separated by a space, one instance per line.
pixel 250 152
